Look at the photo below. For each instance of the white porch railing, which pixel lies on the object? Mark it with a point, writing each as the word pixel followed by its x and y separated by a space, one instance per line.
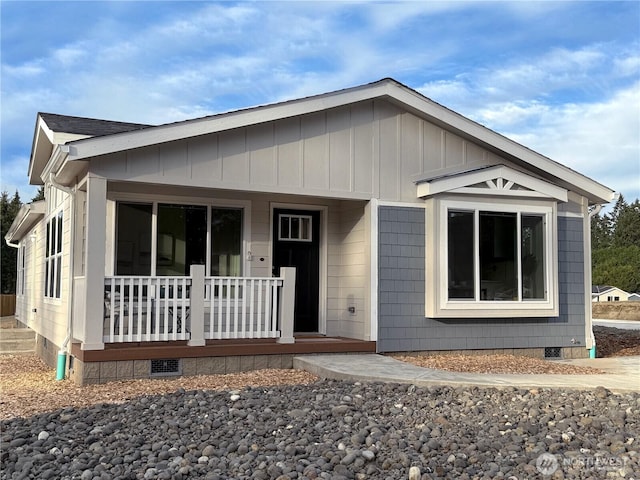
pixel 241 307
pixel 148 309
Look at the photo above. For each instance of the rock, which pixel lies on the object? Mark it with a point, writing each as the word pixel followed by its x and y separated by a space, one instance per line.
pixel 330 429
pixel 368 455
pixel 414 473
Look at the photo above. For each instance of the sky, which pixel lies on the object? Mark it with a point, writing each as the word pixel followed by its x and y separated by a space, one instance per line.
pixel 562 78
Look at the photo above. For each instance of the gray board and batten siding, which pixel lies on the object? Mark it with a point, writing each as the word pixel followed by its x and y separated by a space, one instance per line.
pixel 370 149
pixel 403 326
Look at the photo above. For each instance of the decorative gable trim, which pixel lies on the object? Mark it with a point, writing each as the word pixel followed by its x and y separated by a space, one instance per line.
pixel 494 181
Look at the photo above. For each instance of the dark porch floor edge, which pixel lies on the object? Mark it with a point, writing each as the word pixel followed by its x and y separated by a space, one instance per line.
pixel 222 348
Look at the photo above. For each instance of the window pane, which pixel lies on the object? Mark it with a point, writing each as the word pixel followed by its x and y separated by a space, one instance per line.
pixel 498 265
pixel 284 227
pixel 182 238
pixel 532 251
pixel 46 277
pixel 59 234
pixel 58 275
pixel 226 241
pixel 460 252
pixel 295 228
pixel 133 232
pixel 52 276
pixel 47 250
pixel 306 227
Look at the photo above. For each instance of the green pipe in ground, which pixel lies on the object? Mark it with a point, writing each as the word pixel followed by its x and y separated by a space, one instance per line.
pixel 62 363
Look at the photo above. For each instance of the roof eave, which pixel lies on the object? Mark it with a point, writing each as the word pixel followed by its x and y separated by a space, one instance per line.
pixel 27 217
pixel 386 88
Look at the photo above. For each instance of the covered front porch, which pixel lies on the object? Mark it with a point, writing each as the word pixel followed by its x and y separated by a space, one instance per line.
pixel 201 269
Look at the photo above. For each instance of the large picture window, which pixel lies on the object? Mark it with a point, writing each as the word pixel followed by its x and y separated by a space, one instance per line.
pixel 494 259
pixel 53 257
pixel 508 252
pixel 180 239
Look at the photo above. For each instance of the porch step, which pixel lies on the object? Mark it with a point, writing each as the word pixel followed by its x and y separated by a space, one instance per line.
pixel 17 340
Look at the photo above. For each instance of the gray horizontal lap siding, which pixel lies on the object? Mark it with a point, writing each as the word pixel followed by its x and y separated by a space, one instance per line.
pixel 401 295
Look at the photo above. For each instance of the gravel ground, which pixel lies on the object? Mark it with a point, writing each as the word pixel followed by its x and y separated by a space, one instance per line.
pixel 284 424
pixel 333 430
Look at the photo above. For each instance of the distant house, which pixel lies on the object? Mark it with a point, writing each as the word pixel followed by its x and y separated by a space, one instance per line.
pixel 367 219
pixel 607 293
pixel 633 297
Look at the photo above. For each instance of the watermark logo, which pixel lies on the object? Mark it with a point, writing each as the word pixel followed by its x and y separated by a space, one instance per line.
pixel 547 464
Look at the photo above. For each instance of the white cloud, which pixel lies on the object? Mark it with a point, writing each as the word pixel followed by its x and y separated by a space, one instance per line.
pixel 601 140
pixel 29 69
pixel 68 55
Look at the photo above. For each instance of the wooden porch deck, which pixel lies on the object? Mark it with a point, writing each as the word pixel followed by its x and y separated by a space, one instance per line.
pixel 222 348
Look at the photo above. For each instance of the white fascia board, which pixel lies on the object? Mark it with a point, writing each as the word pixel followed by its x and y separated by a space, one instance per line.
pixel 27 216
pixel 461 182
pixel 166 133
pixel 56 162
pixel 55 139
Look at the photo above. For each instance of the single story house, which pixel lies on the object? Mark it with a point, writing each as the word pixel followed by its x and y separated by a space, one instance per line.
pixel 607 293
pixel 370 219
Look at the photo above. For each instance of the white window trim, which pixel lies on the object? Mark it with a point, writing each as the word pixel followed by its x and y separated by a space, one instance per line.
pixel 291 216
pixel 437 302
pixel 154 200
pixel 53 259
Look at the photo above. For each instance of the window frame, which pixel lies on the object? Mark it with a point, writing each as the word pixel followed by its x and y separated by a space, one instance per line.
pixel 211 204
pixel 54 255
pixel 300 237
pixel 438 303
pixel 20 274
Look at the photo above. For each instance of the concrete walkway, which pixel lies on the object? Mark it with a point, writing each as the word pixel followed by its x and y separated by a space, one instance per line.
pixel 623 373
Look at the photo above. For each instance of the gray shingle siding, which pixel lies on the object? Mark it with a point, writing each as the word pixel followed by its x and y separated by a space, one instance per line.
pixel 401 295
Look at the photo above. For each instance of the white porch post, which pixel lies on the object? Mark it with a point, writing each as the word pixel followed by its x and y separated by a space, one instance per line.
pixel 287 304
pixel 196 300
pixel 94 257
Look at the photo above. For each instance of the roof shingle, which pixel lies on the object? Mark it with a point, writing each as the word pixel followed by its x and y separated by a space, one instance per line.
pixel 87 126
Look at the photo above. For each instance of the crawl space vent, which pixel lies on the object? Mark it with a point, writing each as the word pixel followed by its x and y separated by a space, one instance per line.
pixel 165 367
pixel 552 352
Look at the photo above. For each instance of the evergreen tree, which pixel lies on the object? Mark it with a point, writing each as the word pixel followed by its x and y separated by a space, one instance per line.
pixel 39 194
pixel 627 228
pixel 615 244
pixel 8 255
pixel 600 231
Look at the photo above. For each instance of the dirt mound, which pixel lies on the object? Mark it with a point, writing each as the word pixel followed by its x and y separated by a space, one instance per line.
pixel 616 310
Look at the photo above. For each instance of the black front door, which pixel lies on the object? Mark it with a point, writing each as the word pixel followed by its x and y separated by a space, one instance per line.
pixel 296 243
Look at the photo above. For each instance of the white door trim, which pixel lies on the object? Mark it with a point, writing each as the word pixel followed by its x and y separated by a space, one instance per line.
pixel 322 294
